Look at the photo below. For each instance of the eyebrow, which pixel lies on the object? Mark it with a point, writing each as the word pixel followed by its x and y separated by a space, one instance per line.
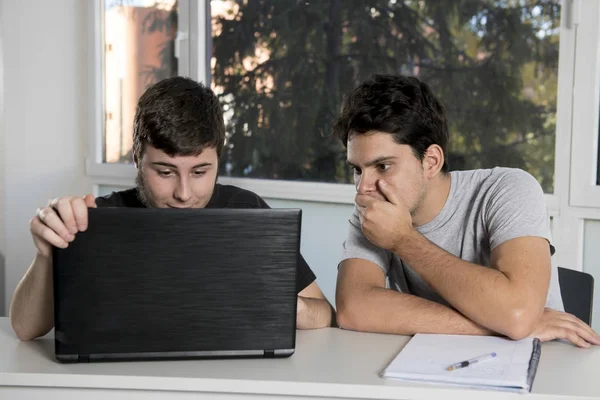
pixel 378 160
pixel 169 165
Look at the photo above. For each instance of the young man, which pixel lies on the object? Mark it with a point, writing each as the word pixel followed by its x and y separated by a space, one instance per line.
pixel 179 133
pixel 465 252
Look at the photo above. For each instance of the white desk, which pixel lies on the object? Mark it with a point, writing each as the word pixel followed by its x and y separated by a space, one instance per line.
pixel 329 363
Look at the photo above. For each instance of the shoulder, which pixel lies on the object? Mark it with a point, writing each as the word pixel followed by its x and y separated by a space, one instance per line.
pixel 123 198
pixel 497 180
pixel 229 196
pixel 514 180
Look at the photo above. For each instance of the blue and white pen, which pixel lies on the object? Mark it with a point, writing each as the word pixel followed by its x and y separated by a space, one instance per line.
pixel 475 360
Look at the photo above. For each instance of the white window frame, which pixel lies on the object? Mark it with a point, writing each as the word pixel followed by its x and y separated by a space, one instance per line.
pixel 198 38
pixel 584 192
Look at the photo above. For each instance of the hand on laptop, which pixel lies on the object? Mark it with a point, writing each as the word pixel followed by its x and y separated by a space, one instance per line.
pixel 560 325
pixel 59 222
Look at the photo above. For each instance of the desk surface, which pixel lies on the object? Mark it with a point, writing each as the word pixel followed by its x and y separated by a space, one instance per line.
pixel 329 363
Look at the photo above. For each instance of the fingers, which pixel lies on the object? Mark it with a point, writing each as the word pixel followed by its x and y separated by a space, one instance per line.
pixel 566 326
pixel 44 235
pixel 65 212
pixel 582 329
pixel 388 192
pixel 80 210
pixel 59 222
pixel 364 200
pixel 48 217
pixel 90 201
pixel 73 212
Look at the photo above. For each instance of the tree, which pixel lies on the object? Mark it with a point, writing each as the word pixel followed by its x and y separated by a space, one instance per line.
pixel 282 67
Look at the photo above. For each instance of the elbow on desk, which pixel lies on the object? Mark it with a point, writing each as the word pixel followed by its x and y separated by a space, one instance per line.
pixel 519 323
pixel 22 333
pixel 349 315
pixel 25 333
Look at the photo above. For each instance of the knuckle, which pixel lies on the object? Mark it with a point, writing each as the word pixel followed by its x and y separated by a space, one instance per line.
pixel 43 212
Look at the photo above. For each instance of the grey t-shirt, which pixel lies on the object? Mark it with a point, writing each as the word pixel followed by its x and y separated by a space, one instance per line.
pixel 485 208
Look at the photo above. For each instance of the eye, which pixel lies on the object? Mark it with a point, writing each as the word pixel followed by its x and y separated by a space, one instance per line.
pixel 383 167
pixel 356 170
pixel 165 173
pixel 199 173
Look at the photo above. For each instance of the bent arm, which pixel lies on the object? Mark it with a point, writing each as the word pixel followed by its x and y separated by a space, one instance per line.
pixel 364 304
pixel 314 311
pixel 32 307
pixel 508 298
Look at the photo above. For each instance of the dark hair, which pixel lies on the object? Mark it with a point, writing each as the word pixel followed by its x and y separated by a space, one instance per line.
pixel 402 106
pixel 180 117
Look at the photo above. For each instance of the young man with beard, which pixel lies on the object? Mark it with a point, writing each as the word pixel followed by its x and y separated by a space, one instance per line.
pixel 178 134
pixel 465 252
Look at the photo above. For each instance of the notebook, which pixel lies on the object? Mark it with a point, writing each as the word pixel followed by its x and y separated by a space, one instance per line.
pixel 426 358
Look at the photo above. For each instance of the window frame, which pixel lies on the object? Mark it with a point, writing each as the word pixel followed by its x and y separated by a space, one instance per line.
pixel 198 42
pixel 584 191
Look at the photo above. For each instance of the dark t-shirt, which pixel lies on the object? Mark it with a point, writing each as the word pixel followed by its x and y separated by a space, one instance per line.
pixel 224 196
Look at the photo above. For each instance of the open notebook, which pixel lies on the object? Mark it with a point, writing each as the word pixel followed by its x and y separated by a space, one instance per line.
pixel 426 358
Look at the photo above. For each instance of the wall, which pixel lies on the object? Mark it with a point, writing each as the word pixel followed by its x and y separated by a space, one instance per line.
pixel 2 163
pixel 44 116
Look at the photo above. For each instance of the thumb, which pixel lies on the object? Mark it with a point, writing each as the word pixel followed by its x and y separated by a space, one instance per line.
pixel 90 201
pixel 388 192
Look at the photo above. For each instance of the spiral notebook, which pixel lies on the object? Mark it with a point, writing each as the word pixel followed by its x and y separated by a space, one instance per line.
pixel 426 359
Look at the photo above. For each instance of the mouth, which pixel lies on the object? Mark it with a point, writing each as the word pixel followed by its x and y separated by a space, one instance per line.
pixel 178 208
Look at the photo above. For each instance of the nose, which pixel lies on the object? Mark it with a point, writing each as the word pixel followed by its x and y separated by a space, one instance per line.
pixel 183 192
pixel 366 183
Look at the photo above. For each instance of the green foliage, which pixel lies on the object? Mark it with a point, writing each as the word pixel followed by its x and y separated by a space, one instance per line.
pixel 493 63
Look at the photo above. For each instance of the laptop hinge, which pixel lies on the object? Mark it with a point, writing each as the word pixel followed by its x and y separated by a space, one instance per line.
pixel 84 358
pixel 269 353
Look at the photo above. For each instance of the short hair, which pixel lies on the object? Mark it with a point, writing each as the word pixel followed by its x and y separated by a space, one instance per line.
pixel 404 107
pixel 180 117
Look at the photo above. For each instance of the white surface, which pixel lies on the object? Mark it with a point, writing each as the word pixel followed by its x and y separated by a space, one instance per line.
pixel 329 363
pixel 44 63
pixel 427 356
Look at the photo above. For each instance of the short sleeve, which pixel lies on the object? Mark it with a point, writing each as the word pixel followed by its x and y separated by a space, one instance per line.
pixel 357 245
pixel 516 207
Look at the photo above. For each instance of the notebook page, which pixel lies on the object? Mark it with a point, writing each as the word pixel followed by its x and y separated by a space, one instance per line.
pixel 426 357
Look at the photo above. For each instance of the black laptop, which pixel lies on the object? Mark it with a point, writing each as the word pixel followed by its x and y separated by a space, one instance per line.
pixel 151 284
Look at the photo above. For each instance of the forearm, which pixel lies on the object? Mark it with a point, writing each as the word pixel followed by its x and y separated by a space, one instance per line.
pixel 315 313
pixel 485 295
pixel 387 311
pixel 32 306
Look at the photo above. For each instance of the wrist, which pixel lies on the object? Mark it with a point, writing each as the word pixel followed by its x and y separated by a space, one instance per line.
pixel 405 240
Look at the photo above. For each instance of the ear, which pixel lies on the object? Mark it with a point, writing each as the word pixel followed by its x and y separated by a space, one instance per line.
pixel 135 162
pixel 433 160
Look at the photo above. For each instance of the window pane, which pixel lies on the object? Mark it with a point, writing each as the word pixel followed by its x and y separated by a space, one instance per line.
pixel 138 51
pixel 281 68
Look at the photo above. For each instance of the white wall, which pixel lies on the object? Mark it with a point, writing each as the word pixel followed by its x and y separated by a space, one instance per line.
pixel 44 117
pixel 2 167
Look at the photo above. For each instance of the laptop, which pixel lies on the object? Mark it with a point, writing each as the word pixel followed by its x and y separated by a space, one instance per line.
pixel 153 284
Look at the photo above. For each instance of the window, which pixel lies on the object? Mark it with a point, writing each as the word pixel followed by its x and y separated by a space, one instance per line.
pixel 139 49
pixel 584 190
pixel 281 68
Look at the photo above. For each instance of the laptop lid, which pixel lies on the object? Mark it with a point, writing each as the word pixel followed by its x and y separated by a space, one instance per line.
pixel 163 283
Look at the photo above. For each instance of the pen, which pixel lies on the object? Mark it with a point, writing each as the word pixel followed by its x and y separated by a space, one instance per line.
pixel 466 363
